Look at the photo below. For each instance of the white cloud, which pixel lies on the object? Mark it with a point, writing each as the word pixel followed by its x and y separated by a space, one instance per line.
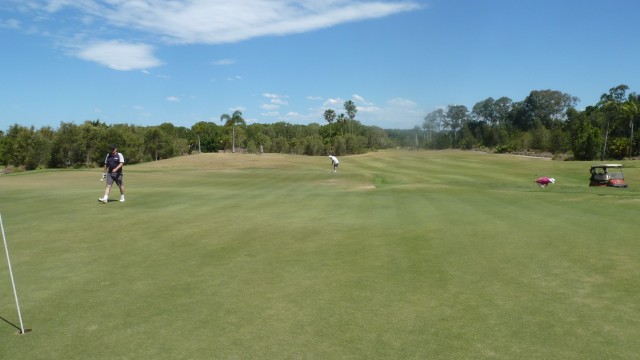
pixel 358 98
pixel 238 108
pixel 269 106
pixel 120 55
pixel 332 103
pixel 399 102
pixel 173 98
pixel 279 101
pixel 193 22
pixel 223 21
pixel 10 24
pixel 368 109
pixel 276 99
pixel 223 62
pixel 395 113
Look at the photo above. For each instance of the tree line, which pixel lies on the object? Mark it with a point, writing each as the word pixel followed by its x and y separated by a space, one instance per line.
pixel 86 145
pixel 545 121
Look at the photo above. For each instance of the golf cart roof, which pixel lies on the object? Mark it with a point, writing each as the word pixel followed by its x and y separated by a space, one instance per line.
pixel 606 166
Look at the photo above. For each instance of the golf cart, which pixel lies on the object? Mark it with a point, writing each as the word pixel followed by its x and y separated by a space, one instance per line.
pixel 607 175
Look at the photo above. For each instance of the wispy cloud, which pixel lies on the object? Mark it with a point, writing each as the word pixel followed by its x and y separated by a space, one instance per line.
pixel 173 99
pixel 401 103
pixel 333 103
pixel 237 108
pixel 275 101
pixel 223 62
pixel 279 101
pixel 120 55
pixel 10 24
pixel 223 21
pixel 195 22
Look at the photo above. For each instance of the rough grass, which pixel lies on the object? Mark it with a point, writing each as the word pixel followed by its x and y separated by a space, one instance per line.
pixel 438 255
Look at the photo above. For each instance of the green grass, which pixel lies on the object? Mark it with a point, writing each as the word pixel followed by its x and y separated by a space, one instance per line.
pixel 399 255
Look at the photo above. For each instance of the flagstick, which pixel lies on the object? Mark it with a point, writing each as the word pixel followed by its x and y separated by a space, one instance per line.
pixel 15 293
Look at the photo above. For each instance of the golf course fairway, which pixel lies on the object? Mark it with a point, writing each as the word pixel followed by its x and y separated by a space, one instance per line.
pixel 398 255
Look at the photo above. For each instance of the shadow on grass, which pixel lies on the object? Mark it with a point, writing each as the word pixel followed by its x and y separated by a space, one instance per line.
pixel 10 323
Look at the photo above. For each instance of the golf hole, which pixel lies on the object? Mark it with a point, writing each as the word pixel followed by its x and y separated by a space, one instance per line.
pixel 25 331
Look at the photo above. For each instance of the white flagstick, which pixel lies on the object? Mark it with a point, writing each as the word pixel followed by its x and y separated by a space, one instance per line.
pixel 6 249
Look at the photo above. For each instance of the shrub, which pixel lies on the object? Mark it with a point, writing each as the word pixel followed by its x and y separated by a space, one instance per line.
pixel 503 149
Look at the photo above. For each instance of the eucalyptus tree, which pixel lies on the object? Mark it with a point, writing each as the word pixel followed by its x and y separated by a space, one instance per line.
pixel 157 143
pixel 233 120
pixel 417 131
pixel 501 109
pixel 351 109
pixel 91 132
pixel 548 107
pixel 377 138
pixel 433 123
pixel 129 139
pixel 67 146
pixel 582 134
pixel 261 135
pixel 208 136
pixel 611 104
pixel 456 117
pixel 631 109
pixel 2 148
pixel 484 111
pixel 25 147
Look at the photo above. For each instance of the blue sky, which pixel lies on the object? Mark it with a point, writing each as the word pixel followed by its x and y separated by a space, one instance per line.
pixel 146 62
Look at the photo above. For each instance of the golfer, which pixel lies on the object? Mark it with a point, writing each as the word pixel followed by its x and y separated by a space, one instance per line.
pixel 544 181
pixel 113 170
pixel 334 162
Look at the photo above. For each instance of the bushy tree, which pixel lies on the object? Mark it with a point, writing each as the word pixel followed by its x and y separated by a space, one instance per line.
pixel 25 148
pixel 586 139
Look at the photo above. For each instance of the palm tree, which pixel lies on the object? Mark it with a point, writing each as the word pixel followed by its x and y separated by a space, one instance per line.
pixel 341 121
pixel 198 129
pixel 329 116
pixel 351 109
pixel 233 120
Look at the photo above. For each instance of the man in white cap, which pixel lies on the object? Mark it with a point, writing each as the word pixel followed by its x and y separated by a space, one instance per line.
pixel 544 181
pixel 334 162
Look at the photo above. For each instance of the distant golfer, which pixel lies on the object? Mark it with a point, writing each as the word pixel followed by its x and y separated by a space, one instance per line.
pixel 334 162
pixel 544 181
pixel 113 171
